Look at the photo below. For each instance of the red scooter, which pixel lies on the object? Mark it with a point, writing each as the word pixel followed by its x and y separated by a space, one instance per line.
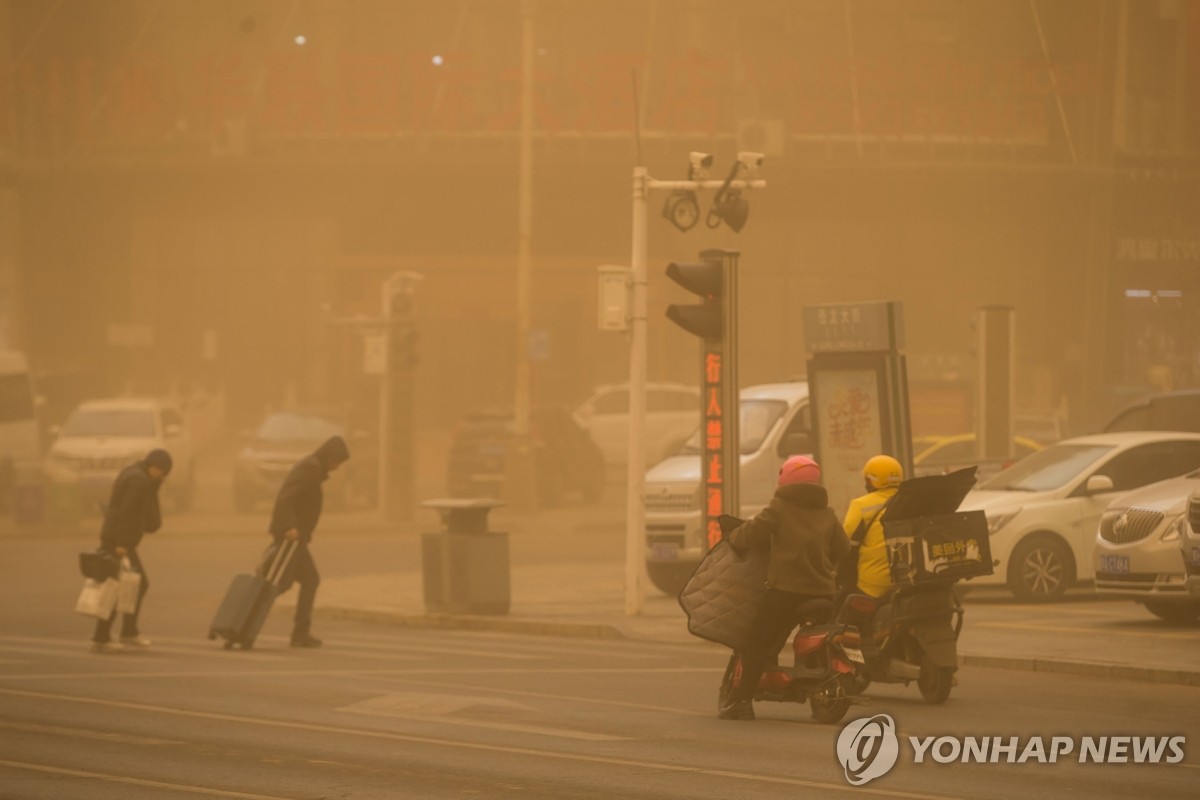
pixel 826 672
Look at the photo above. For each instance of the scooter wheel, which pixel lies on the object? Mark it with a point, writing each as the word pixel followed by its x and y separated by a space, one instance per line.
pixel 935 682
pixel 828 710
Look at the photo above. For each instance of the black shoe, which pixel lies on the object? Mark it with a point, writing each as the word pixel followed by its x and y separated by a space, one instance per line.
pixel 305 640
pixel 738 709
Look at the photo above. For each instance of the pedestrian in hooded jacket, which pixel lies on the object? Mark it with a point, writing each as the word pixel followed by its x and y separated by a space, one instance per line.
pixel 297 511
pixel 132 512
pixel 806 543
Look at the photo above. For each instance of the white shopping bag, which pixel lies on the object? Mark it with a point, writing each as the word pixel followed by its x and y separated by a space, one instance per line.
pixel 98 598
pixel 129 585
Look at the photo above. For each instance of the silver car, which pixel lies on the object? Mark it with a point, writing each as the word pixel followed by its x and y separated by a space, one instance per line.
pixel 1190 547
pixel 1138 552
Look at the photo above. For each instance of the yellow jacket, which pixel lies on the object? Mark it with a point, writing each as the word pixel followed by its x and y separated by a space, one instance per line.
pixel 874 575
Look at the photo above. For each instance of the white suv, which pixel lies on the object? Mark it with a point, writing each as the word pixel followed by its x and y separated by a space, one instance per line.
pixel 672 412
pixel 102 437
pixel 775 423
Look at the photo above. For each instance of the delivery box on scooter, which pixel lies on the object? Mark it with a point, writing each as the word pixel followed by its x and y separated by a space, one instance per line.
pixel 946 547
pixel 928 540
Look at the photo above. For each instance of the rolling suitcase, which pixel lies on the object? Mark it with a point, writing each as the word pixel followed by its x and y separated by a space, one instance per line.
pixel 249 599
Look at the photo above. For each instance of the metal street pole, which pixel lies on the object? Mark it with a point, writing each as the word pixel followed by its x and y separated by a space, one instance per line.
pixel 635 501
pixel 520 472
pixel 387 289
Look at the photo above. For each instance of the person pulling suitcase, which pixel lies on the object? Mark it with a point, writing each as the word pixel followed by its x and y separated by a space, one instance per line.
pixel 294 518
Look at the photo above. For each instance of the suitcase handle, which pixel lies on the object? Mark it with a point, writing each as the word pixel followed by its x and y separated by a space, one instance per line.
pixel 280 561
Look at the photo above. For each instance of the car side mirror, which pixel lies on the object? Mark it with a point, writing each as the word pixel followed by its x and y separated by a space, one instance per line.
pixel 1098 484
pixel 795 444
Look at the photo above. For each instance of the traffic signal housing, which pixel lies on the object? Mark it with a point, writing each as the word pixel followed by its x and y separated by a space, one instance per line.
pixel 706 279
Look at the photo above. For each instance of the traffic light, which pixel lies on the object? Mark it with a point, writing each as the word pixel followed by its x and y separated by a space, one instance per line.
pixel 714 320
pixel 706 279
pixel 402 335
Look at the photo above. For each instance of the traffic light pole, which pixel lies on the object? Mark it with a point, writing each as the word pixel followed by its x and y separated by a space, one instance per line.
pixel 635 501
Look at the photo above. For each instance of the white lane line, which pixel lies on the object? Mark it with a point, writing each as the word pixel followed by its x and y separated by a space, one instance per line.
pixel 81 651
pixel 606 701
pixel 351 673
pixel 519 645
pixel 80 648
pixel 446 709
pixel 83 733
pixel 101 776
pixel 454 744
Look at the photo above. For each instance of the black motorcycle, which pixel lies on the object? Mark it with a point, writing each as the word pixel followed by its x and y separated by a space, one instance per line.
pixel 912 635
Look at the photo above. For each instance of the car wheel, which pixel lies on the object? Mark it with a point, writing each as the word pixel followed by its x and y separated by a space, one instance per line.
pixel 1174 612
pixel 670 577
pixel 1040 569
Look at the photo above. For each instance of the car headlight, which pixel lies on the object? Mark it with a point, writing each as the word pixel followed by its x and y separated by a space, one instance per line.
pixel 1175 531
pixel 998 520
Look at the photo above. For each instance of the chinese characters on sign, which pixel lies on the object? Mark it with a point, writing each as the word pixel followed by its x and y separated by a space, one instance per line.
pixel 850 429
pixel 853 327
pixel 1129 248
pixel 714 442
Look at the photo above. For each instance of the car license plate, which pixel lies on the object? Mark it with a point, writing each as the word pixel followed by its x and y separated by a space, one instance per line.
pixel 1114 565
pixel 855 655
pixel 665 552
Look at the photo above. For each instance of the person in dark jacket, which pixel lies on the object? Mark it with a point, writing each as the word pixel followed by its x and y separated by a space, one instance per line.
pixel 132 512
pixel 806 543
pixel 297 511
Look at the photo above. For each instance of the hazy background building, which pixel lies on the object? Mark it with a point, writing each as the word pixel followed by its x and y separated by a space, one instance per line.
pixel 192 193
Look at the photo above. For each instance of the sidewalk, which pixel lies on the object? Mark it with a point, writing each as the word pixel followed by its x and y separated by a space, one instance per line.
pixel 1114 639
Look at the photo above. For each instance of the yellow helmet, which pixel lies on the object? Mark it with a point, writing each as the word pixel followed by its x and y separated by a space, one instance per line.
pixel 883 472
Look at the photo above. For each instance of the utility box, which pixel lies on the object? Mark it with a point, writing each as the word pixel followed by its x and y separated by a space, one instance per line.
pixel 613 309
pixel 464 566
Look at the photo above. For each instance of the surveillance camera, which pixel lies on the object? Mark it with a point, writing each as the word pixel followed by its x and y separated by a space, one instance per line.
pixel 751 161
pixel 698 164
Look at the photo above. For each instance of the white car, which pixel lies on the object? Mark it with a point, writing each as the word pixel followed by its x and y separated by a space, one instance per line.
pixel 672 413
pixel 1043 511
pixel 102 437
pixel 1138 548
pixel 775 423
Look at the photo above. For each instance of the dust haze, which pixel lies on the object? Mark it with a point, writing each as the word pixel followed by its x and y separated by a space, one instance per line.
pixel 202 201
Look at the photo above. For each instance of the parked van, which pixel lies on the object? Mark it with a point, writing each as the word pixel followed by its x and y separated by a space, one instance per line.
pixel 774 423
pixel 1171 411
pixel 19 435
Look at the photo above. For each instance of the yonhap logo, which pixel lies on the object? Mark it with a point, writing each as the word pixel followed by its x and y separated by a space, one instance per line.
pixel 868 748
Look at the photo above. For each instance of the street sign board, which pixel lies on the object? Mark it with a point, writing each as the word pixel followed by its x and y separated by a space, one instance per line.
pixel 854 327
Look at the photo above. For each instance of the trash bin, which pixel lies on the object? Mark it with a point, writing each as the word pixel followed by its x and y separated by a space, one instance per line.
pixel 464 567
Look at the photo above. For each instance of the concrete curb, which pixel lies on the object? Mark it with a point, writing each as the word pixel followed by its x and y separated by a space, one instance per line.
pixel 467 622
pixel 1085 668
pixel 599 630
